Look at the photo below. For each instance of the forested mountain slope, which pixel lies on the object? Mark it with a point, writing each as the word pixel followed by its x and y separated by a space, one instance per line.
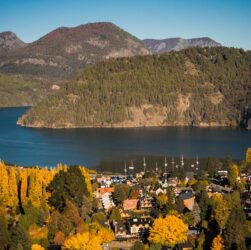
pixel 197 86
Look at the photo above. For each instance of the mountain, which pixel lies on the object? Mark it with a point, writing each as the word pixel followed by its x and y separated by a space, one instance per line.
pixel 196 86
pixel 9 41
pixel 176 44
pixel 63 52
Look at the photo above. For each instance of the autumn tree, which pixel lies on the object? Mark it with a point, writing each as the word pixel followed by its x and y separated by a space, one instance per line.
pixel 248 155
pixel 59 238
pixel 221 210
pixel 39 235
pixel 37 247
pixel 86 175
pixel 217 243
pixel 84 241
pixel 13 196
pixel 105 235
pixel 233 175
pixel 4 185
pixel 24 187
pixel 168 231
pixel 162 200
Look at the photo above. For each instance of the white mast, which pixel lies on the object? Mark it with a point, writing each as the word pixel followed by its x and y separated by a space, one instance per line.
pixel 182 161
pixel 125 170
pixel 197 162
pixel 173 163
pixel 165 166
pixel 144 164
pixel 156 166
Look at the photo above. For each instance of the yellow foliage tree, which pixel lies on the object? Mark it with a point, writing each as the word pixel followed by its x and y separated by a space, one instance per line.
pixel 105 235
pixel 233 175
pixel 217 243
pixel 4 185
pixel 221 210
pixel 162 200
pixel 36 232
pixel 37 247
pixel 13 195
pixel 35 187
pixel 88 183
pixel 248 155
pixel 85 241
pixel 24 187
pixel 168 231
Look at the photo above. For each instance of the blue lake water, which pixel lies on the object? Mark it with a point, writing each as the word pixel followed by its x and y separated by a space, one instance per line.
pixel 91 147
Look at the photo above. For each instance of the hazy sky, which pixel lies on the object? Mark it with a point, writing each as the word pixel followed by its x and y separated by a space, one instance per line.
pixel 226 21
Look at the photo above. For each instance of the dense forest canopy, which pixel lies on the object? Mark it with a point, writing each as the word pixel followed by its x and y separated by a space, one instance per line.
pixel 196 86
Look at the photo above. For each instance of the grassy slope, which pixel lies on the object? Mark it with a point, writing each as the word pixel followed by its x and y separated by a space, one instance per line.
pixel 16 91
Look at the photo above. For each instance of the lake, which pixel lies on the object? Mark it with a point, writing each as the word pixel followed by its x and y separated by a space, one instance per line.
pixel 99 147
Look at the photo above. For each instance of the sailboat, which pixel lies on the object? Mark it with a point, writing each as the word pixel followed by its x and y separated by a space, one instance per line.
pixel 131 167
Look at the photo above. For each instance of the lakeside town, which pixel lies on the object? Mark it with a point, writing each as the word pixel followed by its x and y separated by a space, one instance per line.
pixel 157 208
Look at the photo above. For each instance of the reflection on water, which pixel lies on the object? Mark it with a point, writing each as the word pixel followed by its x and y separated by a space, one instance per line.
pixel 90 147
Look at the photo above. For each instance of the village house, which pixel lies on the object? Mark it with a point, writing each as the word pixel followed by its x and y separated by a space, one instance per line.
pixel 130 204
pixel 188 199
pixel 136 226
pixel 119 229
pixel 101 191
pixel 107 201
pixel 146 203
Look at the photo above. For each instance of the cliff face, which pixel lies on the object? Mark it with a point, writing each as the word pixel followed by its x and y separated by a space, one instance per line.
pixel 198 86
pixel 9 41
pixel 246 118
pixel 176 44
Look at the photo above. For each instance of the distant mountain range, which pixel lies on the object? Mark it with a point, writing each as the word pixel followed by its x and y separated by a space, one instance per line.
pixel 60 54
pixel 176 44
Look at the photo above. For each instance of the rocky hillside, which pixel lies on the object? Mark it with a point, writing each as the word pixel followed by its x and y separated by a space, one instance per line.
pixel 176 44
pixel 63 52
pixel 197 86
pixel 9 41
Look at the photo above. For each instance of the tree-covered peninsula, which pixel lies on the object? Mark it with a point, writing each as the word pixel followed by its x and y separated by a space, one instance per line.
pixel 196 86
